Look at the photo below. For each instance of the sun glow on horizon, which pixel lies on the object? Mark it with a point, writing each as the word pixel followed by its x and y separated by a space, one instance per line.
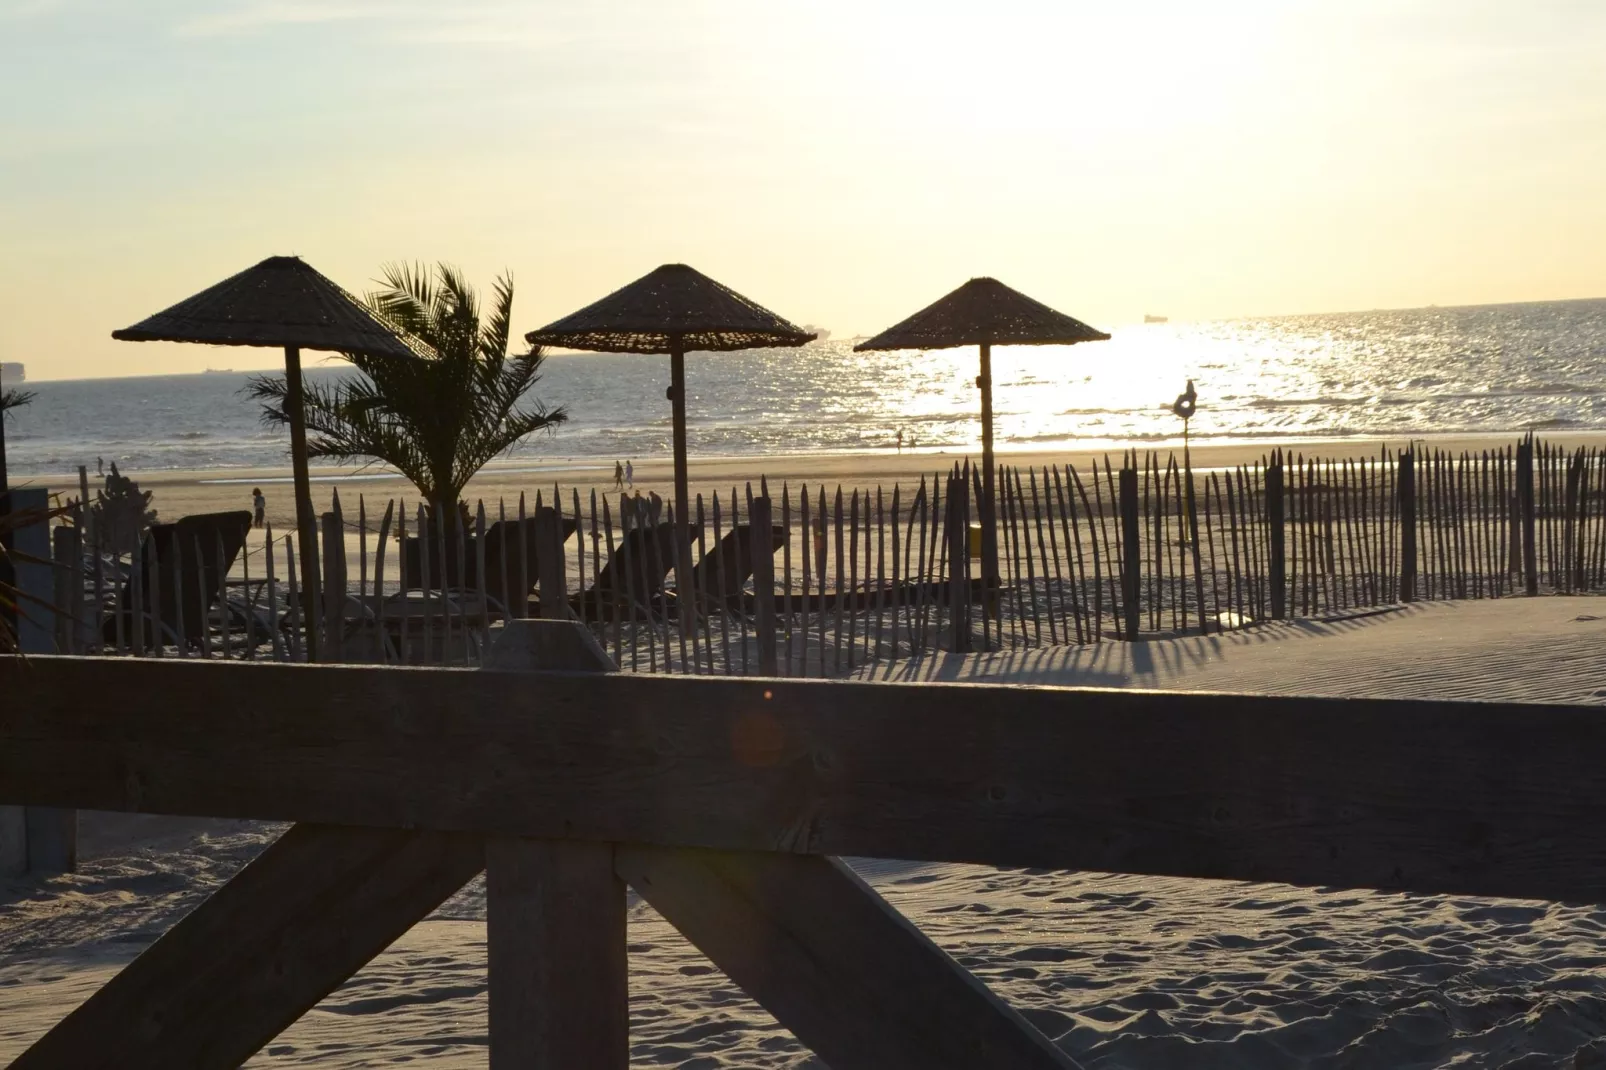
pixel 842 163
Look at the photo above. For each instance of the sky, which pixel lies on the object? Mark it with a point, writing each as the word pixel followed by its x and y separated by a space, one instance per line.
pixel 844 162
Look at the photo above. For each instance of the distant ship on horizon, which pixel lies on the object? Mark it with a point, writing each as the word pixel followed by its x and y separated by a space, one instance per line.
pixel 218 371
pixel 1155 319
pixel 13 371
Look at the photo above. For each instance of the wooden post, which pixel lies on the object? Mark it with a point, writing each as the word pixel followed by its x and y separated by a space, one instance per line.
pixel 555 911
pixel 37 839
pixel 334 588
pixel 1191 505
pixel 51 833
pixel 67 587
pixel 305 533
pixel 549 564
pixel 759 529
pixel 958 558
pixel 35 622
pixel 1407 493
pixel 1525 506
pixel 1570 549
pixel 1131 555
pixel 1277 558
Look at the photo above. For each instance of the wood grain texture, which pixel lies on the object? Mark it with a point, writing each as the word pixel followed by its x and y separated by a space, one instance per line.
pixel 262 950
pixel 559 971
pixel 833 962
pixel 1475 798
pixel 555 912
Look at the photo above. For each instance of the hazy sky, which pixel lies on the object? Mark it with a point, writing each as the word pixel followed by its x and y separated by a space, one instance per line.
pixel 843 161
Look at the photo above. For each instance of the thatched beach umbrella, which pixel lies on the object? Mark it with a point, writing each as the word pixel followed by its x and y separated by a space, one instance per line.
pixel 984 312
pixel 280 302
pixel 676 310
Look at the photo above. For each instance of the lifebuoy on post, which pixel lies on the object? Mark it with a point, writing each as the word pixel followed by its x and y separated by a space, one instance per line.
pixel 1187 402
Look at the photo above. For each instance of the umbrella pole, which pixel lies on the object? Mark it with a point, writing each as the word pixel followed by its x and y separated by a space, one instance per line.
pixel 305 532
pixel 677 388
pixel 682 515
pixel 989 516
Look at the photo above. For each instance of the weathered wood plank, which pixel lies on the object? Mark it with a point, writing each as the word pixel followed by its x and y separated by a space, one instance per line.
pixel 839 967
pixel 264 949
pixel 1475 798
pixel 555 933
pixel 555 911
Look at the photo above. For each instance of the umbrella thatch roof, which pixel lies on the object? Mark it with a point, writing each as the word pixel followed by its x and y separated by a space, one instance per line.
pixel 279 302
pixel 984 312
pixel 673 307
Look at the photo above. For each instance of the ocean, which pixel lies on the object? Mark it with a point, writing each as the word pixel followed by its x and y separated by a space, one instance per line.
pixel 1387 374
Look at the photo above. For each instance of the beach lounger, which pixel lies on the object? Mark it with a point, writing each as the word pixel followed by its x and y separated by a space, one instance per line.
pixel 177 610
pixel 721 577
pixel 648 553
pixel 501 588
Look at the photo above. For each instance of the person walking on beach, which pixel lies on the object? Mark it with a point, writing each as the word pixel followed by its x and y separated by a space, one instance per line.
pixel 259 505
pixel 900 440
pixel 618 475
pixel 100 466
pixel 630 474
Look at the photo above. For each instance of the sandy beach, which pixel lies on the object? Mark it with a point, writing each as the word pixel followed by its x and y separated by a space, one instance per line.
pixel 1122 971
pixel 181 492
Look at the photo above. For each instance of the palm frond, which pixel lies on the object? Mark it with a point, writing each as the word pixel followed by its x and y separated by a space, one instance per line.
pixel 436 419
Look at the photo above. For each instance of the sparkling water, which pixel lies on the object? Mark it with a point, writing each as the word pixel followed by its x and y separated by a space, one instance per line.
pixel 1393 374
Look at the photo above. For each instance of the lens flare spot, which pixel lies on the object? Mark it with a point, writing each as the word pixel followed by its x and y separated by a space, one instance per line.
pixel 757 739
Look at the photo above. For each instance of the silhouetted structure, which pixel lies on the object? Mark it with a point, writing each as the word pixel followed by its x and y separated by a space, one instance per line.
pixel 677 310
pixel 178 578
pixel 984 313
pixel 280 302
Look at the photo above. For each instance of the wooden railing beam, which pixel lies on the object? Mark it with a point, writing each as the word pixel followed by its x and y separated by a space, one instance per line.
pixel 1429 796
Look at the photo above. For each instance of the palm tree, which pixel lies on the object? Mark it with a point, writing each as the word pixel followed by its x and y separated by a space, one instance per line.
pixel 436 419
pixel 9 399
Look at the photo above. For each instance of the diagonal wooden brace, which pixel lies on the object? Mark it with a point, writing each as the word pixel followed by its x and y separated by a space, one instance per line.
pixel 262 950
pixel 837 965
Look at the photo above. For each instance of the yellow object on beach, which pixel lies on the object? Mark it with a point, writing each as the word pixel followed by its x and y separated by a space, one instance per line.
pixel 975 538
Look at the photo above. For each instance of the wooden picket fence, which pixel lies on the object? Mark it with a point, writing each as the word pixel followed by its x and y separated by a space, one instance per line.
pixel 815 582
